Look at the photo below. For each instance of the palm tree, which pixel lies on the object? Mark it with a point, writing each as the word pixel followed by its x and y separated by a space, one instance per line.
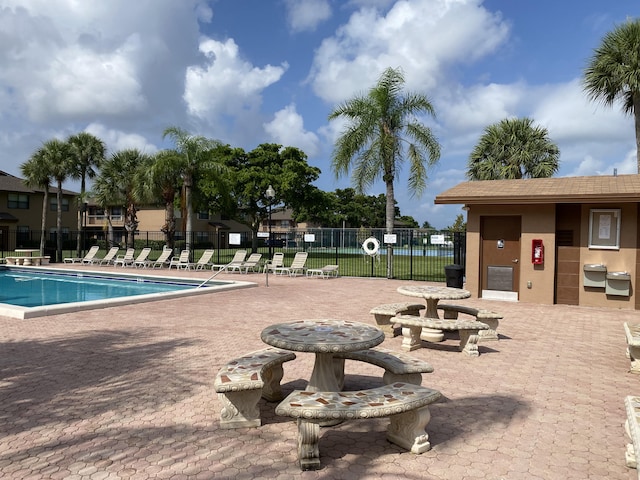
pixel 513 148
pixel 116 186
pixel 196 154
pixel 87 152
pixel 382 130
pixel 55 153
pixel 37 173
pixel 613 73
pixel 161 179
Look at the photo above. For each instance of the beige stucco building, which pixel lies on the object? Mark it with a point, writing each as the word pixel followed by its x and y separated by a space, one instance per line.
pixel 572 240
pixel 21 213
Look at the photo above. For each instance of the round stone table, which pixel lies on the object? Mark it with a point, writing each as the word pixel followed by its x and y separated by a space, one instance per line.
pixel 433 294
pixel 324 338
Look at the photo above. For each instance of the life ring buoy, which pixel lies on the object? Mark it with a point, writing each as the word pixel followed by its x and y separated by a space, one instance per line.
pixel 371 250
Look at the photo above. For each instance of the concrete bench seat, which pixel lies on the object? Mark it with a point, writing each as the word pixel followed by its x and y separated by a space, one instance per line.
pixel 412 328
pixel 492 319
pixel 398 366
pixel 632 426
pixel 384 313
pixel 242 381
pixel 632 332
pixel 27 261
pixel 406 405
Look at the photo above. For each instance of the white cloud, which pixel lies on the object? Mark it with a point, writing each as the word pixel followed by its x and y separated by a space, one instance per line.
pixel 587 166
pixel 593 166
pixel 474 108
pixel 116 140
pixel 287 129
pixel 565 110
pixel 424 37
pixel 87 59
pixel 226 84
pixel 370 3
pixel 81 83
pixel 305 15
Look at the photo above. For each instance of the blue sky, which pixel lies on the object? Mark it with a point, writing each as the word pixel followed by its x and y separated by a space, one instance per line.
pixel 253 71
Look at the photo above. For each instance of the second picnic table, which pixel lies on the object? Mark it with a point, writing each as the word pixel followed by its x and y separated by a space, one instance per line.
pixel 432 295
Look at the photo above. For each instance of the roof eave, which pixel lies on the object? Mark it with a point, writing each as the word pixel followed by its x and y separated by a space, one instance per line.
pixel 531 200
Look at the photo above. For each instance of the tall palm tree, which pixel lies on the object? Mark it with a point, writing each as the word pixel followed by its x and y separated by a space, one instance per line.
pixel 161 180
pixel 382 132
pixel 87 152
pixel 513 148
pixel 613 72
pixel 37 173
pixel 197 154
pixel 116 186
pixel 55 153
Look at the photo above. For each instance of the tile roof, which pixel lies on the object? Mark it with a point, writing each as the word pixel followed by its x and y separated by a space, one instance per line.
pixel 600 189
pixel 11 183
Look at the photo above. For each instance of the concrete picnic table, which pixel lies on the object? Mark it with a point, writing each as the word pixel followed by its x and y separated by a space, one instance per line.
pixel 26 260
pixel 324 337
pixel 432 295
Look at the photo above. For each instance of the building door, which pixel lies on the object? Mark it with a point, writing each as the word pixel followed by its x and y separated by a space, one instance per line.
pixel 500 263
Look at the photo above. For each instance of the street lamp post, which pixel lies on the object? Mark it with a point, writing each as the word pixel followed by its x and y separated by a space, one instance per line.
pixel 270 194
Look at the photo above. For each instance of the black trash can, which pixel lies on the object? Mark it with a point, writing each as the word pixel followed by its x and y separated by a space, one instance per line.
pixel 51 252
pixel 454 275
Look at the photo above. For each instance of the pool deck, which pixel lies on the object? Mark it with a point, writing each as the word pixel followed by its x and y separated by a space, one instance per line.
pixel 127 391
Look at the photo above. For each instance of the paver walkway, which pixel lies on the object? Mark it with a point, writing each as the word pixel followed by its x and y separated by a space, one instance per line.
pixel 127 392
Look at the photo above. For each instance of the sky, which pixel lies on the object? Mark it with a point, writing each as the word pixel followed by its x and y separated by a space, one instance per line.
pixel 247 72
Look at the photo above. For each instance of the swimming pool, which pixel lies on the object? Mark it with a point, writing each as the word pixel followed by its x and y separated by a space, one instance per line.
pixel 29 292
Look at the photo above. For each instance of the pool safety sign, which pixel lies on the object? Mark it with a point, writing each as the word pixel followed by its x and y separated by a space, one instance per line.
pixel 235 239
pixel 437 240
pixel 390 238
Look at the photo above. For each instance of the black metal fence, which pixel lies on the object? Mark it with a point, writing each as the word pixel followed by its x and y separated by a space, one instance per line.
pixel 416 254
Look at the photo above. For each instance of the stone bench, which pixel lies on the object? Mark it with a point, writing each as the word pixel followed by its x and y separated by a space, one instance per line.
pixel 492 319
pixel 632 426
pixel 27 261
pixel 242 381
pixel 632 332
pixel 384 313
pixel 398 366
pixel 406 405
pixel 412 328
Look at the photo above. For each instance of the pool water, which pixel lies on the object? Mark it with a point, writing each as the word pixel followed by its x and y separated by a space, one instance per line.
pixel 29 292
pixel 33 290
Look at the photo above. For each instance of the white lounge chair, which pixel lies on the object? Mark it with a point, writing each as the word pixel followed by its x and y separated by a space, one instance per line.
pixel 108 258
pixel 237 259
pixel 126 259
pixel 275 262
pixel 141 259
pixel 86 259
pixel 250 264
pixel 204 261
pixel 181 261
pixel 297 266
pixel 324 272
pixel 162 260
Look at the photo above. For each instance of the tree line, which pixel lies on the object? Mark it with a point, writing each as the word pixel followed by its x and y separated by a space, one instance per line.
pixel 198 174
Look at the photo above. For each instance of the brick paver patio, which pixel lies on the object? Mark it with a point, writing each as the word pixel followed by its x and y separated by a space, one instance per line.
pixel 127 392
